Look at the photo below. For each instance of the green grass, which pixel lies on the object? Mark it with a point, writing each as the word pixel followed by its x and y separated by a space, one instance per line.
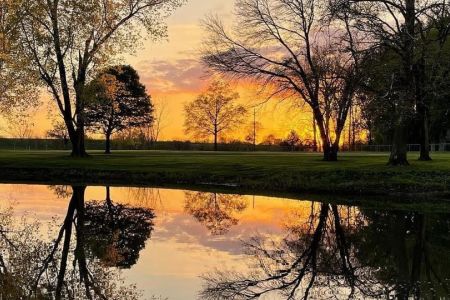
pixel 356 173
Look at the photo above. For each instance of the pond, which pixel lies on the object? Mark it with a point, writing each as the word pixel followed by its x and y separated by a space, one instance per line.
pixel 64 242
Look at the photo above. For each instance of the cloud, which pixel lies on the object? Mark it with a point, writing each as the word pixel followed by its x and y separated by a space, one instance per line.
pixel 180 75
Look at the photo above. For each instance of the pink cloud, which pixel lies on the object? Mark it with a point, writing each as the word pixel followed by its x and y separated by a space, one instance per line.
pixel 180 75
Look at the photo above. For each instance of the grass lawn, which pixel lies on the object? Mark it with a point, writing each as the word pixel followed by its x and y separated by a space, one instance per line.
pixel 357 173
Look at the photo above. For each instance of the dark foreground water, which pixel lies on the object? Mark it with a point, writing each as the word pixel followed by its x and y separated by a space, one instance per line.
pixel 141 243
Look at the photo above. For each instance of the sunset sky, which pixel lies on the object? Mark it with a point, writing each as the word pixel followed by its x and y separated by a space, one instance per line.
pixel 173 74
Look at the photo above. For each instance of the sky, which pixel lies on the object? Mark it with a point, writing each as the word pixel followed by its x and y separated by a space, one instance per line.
pixel 174 76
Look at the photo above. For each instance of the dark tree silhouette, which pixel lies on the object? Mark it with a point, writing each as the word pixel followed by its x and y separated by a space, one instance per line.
pixel 116 233
pixel 118 101
pixel 314 255
pixel 406 250
pixel 347 253
pixel 292 47
pixel 292 141
pixel 59 131
pixel 383 89
pixel 75 239
pixel 401 26
pixel 33 268
pixel 65 39
pixel 215 211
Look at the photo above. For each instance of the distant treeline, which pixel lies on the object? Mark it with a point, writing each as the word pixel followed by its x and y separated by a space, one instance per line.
pixel 94 144
pixel 119 144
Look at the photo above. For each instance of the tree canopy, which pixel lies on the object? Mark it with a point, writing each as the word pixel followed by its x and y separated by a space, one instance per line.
pixel 295 49
pixel 117 100
pixel 67 40
pixel 214 112
pixel 18 81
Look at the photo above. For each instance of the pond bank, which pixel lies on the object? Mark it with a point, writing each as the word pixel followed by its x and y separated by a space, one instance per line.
pixel 355 174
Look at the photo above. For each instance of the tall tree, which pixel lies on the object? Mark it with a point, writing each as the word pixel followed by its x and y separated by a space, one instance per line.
pixel 400 26
pixel 17 80
pixel 118 100
pixel 293 47
pixel 66 39
pixel 214 112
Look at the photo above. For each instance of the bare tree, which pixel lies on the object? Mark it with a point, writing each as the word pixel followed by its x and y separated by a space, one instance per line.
pixel 318 254
pixel 152 132
pixel 400 26
pixel 214 112
pixel 20 127
pixel 59 131
pixel 292 47
pixel 66 39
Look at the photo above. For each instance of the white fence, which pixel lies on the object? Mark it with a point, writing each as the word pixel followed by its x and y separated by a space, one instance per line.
pixel 387 148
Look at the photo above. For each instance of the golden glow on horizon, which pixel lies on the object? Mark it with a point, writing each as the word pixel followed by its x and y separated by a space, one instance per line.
pixel 173 74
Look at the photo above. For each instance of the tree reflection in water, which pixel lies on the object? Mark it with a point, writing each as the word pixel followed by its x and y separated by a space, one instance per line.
pixel 215 211
pixel 117 233
pixel 74 264
pixel 344 253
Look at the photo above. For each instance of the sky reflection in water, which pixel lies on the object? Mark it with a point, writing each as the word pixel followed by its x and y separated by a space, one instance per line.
pixel 165 240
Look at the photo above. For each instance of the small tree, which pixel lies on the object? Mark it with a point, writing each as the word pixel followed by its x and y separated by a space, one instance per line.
pixel 20 126
pixel 292 141
pixel 271 140
pixel 59 131
pixel 117 101
pixel 152 132
pixel 218 212
pixel 214 112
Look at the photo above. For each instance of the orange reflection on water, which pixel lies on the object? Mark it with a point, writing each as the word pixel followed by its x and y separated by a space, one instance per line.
pixel 183 244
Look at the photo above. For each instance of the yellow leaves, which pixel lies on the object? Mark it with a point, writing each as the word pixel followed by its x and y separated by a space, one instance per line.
pixel 111 85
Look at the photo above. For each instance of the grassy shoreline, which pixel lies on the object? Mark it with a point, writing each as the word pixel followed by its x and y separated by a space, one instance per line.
pixel 355 173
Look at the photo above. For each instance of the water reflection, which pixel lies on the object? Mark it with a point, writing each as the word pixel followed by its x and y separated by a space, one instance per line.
pixel 218 212
pixel 75 264
pixel 164 240
pixel 344 253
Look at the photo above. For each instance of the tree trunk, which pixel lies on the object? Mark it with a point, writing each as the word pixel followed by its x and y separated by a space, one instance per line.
pixel 215 141
pixel 422 112
pixel 330 152
pixel 350 131
pixel 108 195
pixel 77 196
pixel 108 143
pixel 80 248
pixel 78 146
pixel 425 138
pixel 399 149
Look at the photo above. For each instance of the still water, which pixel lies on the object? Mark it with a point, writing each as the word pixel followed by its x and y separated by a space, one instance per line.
pixel 68 242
